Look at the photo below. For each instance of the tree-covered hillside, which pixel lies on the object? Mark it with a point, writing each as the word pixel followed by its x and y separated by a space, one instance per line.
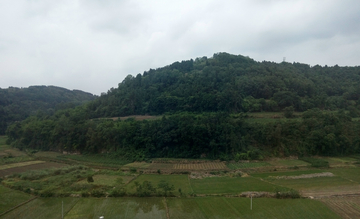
pixel 16 104
pixel 232 83
pixel 204 104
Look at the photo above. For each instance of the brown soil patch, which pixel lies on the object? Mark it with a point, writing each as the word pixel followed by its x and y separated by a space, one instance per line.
pixel 39 166
pixel 201 166
pixel 346 207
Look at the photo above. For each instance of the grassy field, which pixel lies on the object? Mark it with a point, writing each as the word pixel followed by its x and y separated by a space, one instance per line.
pixel 11 155
pixel 179 181
pixel 287 173
pixel 348 173
pixel 220 185
pixel 335 183
pixel 287 162
pixel 13 198
pixel 201 207
pixel 220 207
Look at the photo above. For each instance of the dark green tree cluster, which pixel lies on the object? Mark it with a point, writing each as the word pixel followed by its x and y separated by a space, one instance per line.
pixel 16 104
pixel 187 135
pixel 232 83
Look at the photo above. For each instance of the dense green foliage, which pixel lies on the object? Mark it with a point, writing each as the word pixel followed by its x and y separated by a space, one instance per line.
pixel 205 103
pixel 233 84
pixel 17 104
pixel 187 135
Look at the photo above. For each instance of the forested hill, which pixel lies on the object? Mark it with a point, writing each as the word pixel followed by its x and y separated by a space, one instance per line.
pixel 17 104
pixel 202 103
pixel 231 83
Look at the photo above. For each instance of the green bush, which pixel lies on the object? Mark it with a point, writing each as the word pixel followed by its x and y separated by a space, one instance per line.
pixel 292 193
pixel 316 162
pixel 97 193
pixel 118 192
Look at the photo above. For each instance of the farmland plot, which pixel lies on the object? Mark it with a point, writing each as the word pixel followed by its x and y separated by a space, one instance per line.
pixel 13 198
pixel 36 166
pixel 220 207
pixel 201 166
pixel 42 208
pixel 118 208
pixel 225 185
pixel 346 207
pixel 245 165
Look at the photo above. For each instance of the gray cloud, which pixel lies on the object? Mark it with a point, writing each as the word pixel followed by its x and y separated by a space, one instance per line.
pixel 93 45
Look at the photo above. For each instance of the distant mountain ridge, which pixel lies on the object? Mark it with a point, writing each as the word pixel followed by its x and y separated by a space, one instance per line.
pixel 18 103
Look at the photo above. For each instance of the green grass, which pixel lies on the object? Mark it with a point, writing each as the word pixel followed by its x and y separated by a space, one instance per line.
pixel 241 165
pixel 339 160
pixel 348 173
pixel 292 162
pixel 288 173
pixel 317 183
pixel 220 185
pixel 43 208
pixel 11 198
pixel 316 162
pixel 179 181
pixel 220 207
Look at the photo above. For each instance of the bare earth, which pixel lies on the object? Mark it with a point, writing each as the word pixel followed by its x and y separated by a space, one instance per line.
pixel 38 166
pixel 346 207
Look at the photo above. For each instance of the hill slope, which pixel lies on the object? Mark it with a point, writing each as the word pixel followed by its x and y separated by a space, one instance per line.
pixel 205 103
pixel 17 104
pixel 232 83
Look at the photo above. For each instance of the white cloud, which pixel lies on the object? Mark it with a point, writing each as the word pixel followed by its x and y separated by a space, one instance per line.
pixel 93 45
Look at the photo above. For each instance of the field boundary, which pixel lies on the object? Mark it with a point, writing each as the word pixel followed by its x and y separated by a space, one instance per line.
pixel 167 209
pixel 19 205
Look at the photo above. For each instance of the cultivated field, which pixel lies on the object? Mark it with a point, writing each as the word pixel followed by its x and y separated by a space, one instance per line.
pixel 221 207
pixel 346 207
pixel 202 207
pixel 208 189
pixel 36 166
pixel 230 185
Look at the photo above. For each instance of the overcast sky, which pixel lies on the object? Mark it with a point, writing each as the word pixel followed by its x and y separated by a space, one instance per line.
pixel 93 45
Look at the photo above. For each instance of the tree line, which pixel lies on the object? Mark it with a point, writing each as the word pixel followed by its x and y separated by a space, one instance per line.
pixel 187 135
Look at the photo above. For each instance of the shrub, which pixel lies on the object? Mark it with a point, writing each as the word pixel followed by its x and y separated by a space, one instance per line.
pixel 120 192
pixel 90 179
pixel 292 193
pixel 85 194
pixel 97 193
pixel 316 162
